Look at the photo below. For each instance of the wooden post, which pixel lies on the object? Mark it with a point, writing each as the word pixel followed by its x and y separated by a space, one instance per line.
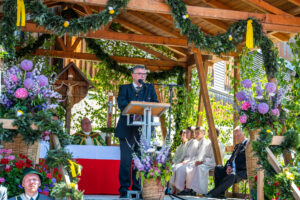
pixel 161 118
pixel 260 185
pixel 200 103
pixel 237 77
pixel 209 114
pixel 188 78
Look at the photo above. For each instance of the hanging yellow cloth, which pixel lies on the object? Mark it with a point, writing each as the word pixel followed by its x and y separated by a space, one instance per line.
pixel 20 13
pixel 249 34
pixel 75 167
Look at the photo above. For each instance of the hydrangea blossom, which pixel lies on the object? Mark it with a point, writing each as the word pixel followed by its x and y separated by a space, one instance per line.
pixel 275 112
pixel 26 65
pixel 21 93
pixel 243 119
pixel 241 96
pixel 247 83
pixel 246 105
pixel 263 108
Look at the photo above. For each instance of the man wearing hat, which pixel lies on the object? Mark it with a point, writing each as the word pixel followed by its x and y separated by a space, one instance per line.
pixel 3 193
pixel 31 181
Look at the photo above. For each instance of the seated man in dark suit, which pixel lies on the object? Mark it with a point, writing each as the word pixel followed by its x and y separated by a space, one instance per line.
pixel 235 169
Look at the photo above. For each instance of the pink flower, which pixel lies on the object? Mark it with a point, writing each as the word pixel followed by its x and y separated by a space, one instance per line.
pixel 48 176
pixel 47 133
pixel 2 180
pixel 246 105
pixel 11 157
pixel 2 151
pixel 151 173
pixel 21 93
pixel 44 192
pixel 275 112
pixel 243 118
pixel 14 78
pixel 7 168
pixel 8 151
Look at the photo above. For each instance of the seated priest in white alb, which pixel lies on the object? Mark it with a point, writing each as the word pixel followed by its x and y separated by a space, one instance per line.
pixel 183 175
pixel 179 153
pixel 200 173
pixel 190 151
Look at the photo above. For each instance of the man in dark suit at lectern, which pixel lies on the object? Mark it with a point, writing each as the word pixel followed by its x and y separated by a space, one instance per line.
pixel 136 91
pixel 234 170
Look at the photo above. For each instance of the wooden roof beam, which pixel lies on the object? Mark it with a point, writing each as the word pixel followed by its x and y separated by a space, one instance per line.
pixel 119 59
pixel 162 28
pixel 211 13
pixel 295 2
pixel 100 34
pixel 265 6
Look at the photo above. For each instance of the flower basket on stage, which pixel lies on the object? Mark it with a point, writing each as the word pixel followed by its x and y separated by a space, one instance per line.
pixel 19 146
pixel 153 190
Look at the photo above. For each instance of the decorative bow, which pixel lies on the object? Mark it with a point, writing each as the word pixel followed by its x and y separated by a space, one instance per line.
pixel 249 34
pixel 20 13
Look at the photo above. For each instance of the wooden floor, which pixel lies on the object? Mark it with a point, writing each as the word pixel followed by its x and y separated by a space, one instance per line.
pixel 112 197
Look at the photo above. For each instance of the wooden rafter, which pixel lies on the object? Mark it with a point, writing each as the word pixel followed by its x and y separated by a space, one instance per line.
pixel 151 51
pixel 266 7
pixel 211 13
pixel 87 56
pixel 295 2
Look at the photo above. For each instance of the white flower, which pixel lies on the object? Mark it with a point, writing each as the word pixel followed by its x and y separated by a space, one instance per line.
pixel 150 150
pixel 110 8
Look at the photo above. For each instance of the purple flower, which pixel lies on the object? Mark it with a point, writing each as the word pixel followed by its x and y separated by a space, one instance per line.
pixel 138 164
pixel 53 180
pixel 42 80
pixel 247 83
pixel 21 93
pixel 241 96
pixel 26 65
pixel 14 78
pixel 28 83
pixel 20 186
pixel 271 88
pixel 39 190
pixel 263 108
pixel 275 112
pixel 14 70
pixel 259 92
pixel 243 118
pixel 28 74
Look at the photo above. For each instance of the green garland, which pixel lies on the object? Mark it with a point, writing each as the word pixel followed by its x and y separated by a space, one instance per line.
pixel 32 47
pixel 221 43
pixel 112 64
pixel 215 44
pixel 259 147
pixel 44 122
pixel 62 191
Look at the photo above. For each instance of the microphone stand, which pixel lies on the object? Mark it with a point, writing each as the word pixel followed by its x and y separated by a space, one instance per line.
pixel 170 120
pixel 170 108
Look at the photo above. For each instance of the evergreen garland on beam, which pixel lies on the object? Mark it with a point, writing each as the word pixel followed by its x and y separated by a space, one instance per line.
pixel 112 64
pixel 226 42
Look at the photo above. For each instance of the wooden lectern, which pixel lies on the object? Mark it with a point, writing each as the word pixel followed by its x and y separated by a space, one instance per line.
pixel 147 110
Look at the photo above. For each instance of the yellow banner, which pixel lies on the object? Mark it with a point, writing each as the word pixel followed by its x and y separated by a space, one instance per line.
pixel 249 34
pixel 21 13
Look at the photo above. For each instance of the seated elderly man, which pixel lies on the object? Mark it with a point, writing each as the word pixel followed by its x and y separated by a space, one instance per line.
pixel 200 173
pixel 184 173
pixel 234 170
pixel 3 193
pixel 86 136
pixel 31 181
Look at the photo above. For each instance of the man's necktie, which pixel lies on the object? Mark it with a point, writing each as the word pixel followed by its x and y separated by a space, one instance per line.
pixel 138 88
pixel 31 198
pixel 236 153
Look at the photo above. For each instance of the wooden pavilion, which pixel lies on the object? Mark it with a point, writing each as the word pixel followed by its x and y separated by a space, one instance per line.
pixel 150 22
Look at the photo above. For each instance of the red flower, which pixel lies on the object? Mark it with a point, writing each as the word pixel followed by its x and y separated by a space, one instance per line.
pixel 20 164
pixel 45 193
pixel 7 168
pixel 4 161
pixel 28 161
pixel 255 178
pixel 278 194
pixel 22 156
pixel 276 184
pixel 298 188
pixel 28 165
pixel 48 176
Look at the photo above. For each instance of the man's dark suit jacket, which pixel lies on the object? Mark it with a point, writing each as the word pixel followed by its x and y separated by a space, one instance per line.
pixel 240 160
pixel 128 93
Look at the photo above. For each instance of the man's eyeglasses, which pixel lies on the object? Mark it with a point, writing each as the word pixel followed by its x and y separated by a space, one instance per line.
pixel 141 74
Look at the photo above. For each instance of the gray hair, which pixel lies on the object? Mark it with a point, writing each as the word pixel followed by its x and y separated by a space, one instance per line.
pixel 137 67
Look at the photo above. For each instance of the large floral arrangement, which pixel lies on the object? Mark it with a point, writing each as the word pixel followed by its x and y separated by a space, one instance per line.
pixel 260 108
pixel 26 90
pixel 13 166
pixel 153 163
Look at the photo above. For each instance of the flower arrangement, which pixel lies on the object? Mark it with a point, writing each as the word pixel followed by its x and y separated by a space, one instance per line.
pixel 26 90
pixel 153 163
pixel 13 167
pixel 262 109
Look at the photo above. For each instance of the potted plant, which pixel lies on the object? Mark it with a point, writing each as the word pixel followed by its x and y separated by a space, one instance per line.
pixel 259 109
pixel 154 169
pixel 26 101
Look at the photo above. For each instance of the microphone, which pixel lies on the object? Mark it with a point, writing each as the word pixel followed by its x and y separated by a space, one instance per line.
pixel 141 82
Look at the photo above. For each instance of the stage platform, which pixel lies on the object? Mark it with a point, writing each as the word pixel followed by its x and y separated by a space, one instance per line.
pixel 112 197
